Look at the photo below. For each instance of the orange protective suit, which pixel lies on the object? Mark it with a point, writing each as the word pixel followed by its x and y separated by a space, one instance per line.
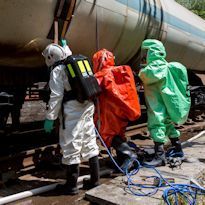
pixel 118 102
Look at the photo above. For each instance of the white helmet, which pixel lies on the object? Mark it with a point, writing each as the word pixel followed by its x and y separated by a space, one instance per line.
pixel 67 51
pixel 54 53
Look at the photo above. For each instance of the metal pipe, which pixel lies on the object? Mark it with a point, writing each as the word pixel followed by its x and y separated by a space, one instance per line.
pixel 50 187
pixel 36 191
pixel 193 138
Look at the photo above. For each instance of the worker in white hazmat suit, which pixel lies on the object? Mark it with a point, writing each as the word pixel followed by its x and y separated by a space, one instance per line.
pixel 77 136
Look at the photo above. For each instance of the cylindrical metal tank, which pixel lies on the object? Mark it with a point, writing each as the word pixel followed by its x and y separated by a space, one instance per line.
pixel 24 27
pixel 121 26
pixel 184 36
pixel 118 25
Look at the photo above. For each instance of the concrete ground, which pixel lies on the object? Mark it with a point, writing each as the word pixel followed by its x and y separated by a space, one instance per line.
pixel 112 191
pixel 116 191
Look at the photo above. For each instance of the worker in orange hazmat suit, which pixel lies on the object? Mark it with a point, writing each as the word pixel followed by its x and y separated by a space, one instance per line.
pixel 118 103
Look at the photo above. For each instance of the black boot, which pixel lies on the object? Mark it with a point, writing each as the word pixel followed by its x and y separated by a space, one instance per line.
pixel 94 174
pixel 176 149
pixel 124 152
pixel 175 154
pixel 70 187
pixel 159 159
pixel 123 148
pixel 176 144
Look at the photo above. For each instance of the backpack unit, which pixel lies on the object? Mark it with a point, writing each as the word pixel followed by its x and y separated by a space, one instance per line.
pixel 81 78
pixel 176 94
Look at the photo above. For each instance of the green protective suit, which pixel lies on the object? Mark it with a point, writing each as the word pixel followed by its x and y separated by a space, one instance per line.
pixel 166 93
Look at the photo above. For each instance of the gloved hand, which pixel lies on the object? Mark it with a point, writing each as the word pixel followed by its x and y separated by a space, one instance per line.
pixel 48 125
pixel 63 42
pixel 66 47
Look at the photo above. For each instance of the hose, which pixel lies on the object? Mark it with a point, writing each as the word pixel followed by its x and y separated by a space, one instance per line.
pixel 172 192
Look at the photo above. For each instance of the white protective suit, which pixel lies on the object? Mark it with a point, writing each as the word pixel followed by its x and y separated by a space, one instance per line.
pixel 78 139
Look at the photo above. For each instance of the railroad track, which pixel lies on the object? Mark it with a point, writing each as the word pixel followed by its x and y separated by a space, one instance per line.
pixel 16 160
pixel 29 165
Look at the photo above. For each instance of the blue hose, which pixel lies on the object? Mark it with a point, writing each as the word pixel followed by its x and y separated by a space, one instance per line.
pixel 108 151
pixel 185 191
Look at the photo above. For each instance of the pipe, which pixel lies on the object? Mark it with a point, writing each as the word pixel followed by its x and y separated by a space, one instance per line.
pixel 36 191
pixel 193 138
pixel 50 187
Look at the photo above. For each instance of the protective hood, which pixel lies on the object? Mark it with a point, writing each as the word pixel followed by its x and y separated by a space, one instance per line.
pixel 156 50
pixel 103 59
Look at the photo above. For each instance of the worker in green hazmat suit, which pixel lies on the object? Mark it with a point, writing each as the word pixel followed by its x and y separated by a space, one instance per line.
pixel 167 98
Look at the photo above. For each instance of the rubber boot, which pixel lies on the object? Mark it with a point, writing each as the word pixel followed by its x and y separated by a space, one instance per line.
pixel 94 174
pixel 176 144
pixel 175 154
pixel 70 187
pixel 159 159
pixel 124 152
pixel 176 149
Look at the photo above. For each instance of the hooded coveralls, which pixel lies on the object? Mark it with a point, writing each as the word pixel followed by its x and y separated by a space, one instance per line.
pixel 160 91
pixel 79 137
pixel 118 101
